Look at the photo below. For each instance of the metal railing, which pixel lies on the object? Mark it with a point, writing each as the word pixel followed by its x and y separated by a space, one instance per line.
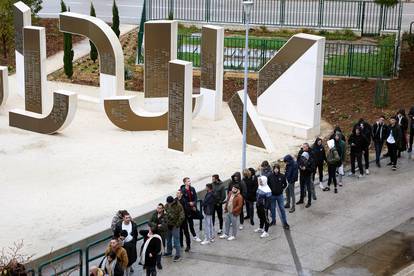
pixel 341 59
pixel 367 17
pixel 55 270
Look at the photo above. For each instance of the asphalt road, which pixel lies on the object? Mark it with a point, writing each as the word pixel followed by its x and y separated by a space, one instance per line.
pixel 130 11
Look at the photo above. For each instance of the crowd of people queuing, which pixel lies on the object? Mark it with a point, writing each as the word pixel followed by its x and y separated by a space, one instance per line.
pixel 263 189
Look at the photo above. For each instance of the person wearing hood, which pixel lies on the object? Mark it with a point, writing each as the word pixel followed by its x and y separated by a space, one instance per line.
pixel 265 169
pixel 402 121
pixel 291 173
pixel 219 195
pixel 340 146
pixel 175 216
pixel 311 163
pixel 358 142
pixel 263 202
pixel 232 209
pixel 306 170
pixel 379 133
pixel 236 180
pixel 338 131
pixel 250 179
pixel 333 160
pixel 277 183
pixel 366 131
pixel 320 158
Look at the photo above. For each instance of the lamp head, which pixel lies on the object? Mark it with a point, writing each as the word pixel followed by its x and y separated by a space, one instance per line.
pixel 247 7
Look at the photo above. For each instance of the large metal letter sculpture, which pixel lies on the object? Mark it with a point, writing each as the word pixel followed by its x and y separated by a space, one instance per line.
pixel 290 86
pixel 62 114
pixel 256 133
pixel 22 18
pixel 4 84
pixel 180 87
pixel 120 113
pixel 34 68
pixel 160 44
pixel 111 57
pixel 212 45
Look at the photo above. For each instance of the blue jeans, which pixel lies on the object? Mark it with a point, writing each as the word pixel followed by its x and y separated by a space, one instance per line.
pixel 378 150
pixel 173 235
pixel 273 207
pixel 280 200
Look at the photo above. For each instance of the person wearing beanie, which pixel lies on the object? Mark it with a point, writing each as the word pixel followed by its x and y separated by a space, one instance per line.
pixel 263 203
pixel 174 214
pixel 333 160
pixel 312 166
pixel 236 180
pixel 291 173
pixel 232 209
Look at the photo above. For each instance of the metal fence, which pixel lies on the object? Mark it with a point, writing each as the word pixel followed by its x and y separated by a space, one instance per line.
pixel 341 59
pixel 367 17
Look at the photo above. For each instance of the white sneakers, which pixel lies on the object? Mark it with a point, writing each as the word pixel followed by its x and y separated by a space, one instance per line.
pixel 224 236
pixel 241 227
pixel 367 172
pixel 350 174
pixel 231 238
pixel 197 239
pixel 205 242
pixel 220 231
pixel 360 176
pixel 259 230
pixel 264 235
pixel 321 185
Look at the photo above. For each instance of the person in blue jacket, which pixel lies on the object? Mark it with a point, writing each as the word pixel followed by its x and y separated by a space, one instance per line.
pixel 291 174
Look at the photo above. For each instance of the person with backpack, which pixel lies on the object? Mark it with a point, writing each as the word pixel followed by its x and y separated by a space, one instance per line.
pixel 291 173
pixel 263 195
pixel 208 208
pixel 340 146
pixel 333 159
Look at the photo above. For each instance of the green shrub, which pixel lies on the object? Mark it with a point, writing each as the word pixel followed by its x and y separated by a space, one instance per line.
pixel 381 93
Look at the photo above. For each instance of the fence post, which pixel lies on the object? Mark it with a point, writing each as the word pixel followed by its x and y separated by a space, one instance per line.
pixel 320 13
pixel 139 59
pixel 207 13
pixel 381 15
pixel 282 12
pixel 170 10
pixel 350 58
pixel 264 50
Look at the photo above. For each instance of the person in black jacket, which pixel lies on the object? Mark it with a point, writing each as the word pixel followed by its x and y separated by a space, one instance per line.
pixel 236 180
pixel 277 183
pixel 306 169
pixel 130 241
pixel 250 179
pixel 190 197
pixel 184 231
pixel 403 123
pixel 393 142
pixel 320 158
pixel 366 131
pixel 312 165
pixel 208 209
pixel 379 135
pixel 150 249
pixel 358 143
pixel 291 174
pixel 220 194
pixel 411 118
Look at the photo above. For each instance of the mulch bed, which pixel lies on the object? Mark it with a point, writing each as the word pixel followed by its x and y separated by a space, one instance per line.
pixel 54 41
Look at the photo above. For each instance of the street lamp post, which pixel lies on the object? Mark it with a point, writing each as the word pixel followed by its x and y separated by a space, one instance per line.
pixel 247 8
